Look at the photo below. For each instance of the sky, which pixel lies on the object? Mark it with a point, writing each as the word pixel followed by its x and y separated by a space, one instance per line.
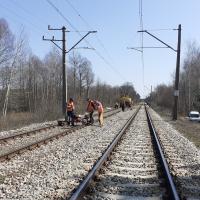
pixel 116 23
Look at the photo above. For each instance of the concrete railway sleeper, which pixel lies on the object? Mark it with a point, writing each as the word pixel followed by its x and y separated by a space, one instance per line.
pixel 129 169
pixel 19 144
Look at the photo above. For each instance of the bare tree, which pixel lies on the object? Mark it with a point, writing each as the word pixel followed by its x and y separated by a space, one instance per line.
pixel 53 65
pixel 89 78
pixel 81 72
pixel 74 61
pixel 189 97
pixel 81 75
pixel 190 78
pixel 6 43
pixel 6 52
pixel 33 85
pixel 16 53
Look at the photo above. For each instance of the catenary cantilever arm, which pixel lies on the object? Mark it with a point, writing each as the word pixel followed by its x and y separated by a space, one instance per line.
pixel 80 40
pixel 158 40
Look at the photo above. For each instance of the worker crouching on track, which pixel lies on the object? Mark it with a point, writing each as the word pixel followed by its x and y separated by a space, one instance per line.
pixel 99 107
pixel 70 112
pixel 90 109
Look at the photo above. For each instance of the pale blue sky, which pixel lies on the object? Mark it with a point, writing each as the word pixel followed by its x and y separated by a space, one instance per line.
pixel 117 23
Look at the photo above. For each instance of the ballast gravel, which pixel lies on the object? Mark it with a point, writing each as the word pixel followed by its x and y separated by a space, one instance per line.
pixel 132 170
pixel 54 170
pixel 22 141
pixel 19 142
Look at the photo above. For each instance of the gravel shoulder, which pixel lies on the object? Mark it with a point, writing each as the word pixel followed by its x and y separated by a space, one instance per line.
pixel 190 130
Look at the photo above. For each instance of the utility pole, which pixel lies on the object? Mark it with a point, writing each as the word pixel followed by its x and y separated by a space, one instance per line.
pixel 63 40
pixel 178 51
pixel 64 67
pixel 64 73
pixel 176 88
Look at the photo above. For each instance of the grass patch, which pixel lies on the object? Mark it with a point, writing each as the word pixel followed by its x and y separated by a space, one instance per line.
pixel 18 120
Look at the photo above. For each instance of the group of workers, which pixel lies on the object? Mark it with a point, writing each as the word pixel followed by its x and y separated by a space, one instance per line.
pixel 92 105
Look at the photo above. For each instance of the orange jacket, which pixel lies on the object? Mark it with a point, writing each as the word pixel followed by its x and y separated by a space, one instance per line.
pixel 99 107
pixel 70 106
pixel 90 106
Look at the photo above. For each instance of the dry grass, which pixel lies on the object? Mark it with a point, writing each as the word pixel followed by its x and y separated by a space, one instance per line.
pixel 190 130
pixel 15 120
pixel 18 120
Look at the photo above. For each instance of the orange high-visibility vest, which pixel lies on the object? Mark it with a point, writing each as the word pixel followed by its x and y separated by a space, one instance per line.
pixel 99 107
pixel 70 106
pixel 90 107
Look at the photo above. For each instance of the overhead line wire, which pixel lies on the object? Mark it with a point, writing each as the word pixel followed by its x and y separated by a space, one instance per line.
pixel 100 42
pixel 89 26
pixel 36 28
pixel 14 13
pixel 141 38
pixel 60 13
pixel 73 27
pixel 28 12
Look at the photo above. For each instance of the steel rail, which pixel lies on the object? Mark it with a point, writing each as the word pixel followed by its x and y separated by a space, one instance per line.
pixel 26 133
pixel 85 183
pixel 37 143
pixel 62 121
pixel 33 131
pixel 173 195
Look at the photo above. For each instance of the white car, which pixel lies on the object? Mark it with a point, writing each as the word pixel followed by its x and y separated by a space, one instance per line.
pixel 194 116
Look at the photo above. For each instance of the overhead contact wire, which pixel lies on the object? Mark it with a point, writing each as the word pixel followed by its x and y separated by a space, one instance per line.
pixel 74 28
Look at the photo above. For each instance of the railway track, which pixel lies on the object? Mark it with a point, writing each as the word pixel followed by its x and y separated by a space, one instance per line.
pixel 132 167
pixel 68 169
pixel 183 159
pixel 20 134
pixel 28 140
pixel 25 133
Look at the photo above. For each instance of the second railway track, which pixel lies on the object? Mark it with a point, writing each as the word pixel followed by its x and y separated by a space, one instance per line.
pixel 20 142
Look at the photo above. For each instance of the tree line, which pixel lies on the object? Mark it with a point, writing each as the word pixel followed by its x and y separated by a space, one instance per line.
pixel 189 85
pixel 29 84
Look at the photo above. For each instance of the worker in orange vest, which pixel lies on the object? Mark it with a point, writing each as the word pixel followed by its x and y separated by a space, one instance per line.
pixel 90 109
pixel 99 107
pixel 70 112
